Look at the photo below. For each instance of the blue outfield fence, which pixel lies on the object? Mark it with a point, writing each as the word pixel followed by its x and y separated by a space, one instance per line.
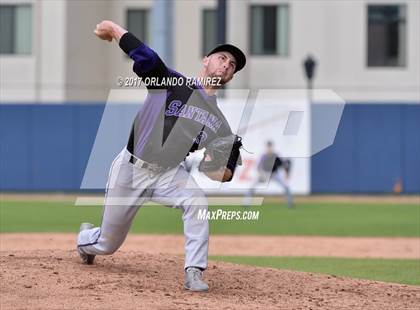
pixel 46 147
pixel 377 147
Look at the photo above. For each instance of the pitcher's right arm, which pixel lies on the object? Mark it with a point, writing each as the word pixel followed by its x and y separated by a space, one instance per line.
pixel 147 62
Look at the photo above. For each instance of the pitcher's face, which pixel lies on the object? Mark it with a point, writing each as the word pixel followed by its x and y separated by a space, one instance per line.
pixel 221 65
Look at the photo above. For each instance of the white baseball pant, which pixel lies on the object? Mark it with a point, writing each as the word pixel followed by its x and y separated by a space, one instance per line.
pixel 128 188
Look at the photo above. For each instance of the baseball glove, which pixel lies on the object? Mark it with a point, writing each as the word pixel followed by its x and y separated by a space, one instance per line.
pixel 222 152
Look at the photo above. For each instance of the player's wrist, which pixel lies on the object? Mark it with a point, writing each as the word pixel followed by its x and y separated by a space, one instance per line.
pixel 227 175
pixel 222 175
pixel 117 32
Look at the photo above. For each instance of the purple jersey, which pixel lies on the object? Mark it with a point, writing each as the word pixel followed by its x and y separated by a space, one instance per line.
pixel 174 120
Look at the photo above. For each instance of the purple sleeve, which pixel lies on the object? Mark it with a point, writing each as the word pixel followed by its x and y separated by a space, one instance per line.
pixel 146 62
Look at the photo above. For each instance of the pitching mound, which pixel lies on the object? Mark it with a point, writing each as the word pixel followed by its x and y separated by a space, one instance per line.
pixel 55 279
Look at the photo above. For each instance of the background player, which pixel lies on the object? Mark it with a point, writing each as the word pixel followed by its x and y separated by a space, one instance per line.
pixel 272 167
pixel 173 122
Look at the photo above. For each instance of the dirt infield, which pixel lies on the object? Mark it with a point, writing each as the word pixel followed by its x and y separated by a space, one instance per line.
pixel 43 271
pixel 356 247
pixel 55 279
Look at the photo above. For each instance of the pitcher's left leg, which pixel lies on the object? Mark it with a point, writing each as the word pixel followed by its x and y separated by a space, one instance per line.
pixel 196 231
pixel 178 190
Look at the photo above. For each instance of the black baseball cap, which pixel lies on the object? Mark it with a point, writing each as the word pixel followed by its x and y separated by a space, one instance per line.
pixel 236 52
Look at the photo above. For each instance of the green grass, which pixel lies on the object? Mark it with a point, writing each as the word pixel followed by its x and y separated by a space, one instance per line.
pixel 405 271
pixel 323 219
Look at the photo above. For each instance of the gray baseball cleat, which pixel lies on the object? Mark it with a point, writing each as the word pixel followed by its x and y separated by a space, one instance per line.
pixel 193 280
pixel 86 258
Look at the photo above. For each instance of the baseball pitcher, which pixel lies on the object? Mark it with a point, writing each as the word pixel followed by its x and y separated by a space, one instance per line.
pixel 173 121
